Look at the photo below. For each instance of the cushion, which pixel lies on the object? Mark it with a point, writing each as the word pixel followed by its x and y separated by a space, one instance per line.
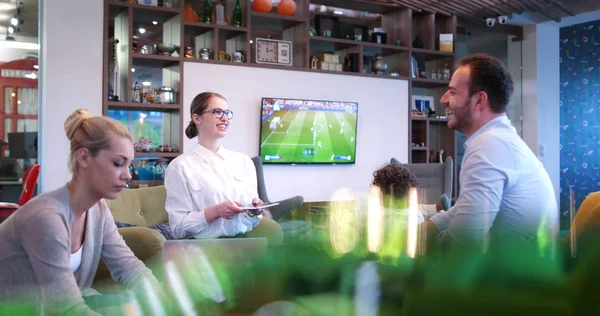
pixel 163 229
pixel 142 207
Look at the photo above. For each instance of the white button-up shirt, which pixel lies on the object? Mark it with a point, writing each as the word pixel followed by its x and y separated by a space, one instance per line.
pixel 198 179
pixel 504 189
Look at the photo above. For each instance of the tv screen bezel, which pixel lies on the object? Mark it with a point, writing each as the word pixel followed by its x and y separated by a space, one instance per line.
pixel 272 162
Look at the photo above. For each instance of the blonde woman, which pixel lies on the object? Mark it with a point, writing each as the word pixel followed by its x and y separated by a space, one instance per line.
pixel 52 245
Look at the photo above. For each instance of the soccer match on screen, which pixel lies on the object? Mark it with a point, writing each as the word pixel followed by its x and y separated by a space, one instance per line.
pixel 308 131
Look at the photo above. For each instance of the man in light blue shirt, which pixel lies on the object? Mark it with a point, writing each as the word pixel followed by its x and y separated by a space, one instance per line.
pixel 505 190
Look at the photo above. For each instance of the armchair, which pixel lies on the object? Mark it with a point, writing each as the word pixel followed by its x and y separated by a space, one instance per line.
pixel 30 178
pixel 435 178
pixel 285 206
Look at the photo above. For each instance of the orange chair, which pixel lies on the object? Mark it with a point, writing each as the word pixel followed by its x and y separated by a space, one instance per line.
pixel 29 181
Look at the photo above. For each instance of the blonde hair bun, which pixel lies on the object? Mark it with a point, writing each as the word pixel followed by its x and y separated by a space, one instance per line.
pixel 75 120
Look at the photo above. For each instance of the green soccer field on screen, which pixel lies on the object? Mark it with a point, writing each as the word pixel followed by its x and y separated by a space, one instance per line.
pixel 308 131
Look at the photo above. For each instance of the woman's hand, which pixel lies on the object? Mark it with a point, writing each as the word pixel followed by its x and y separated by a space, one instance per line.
pixel 225 210
pixel 257 202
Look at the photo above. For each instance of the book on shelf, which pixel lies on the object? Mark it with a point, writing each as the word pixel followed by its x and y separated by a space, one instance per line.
pixel 447 42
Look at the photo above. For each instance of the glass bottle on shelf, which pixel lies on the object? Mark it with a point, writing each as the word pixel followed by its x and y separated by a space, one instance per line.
pixel 237 14
pixel 137 93
pixel 446 72
pixel 207 12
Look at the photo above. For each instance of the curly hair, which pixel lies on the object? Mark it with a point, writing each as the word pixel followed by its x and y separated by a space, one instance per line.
pixel 395 180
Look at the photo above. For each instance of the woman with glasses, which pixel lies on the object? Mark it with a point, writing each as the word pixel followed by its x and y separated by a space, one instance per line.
pixel 207 185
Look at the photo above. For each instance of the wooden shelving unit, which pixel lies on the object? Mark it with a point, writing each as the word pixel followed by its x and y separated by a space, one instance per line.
pixel 157 154
pixel 123 20
pixel 113 105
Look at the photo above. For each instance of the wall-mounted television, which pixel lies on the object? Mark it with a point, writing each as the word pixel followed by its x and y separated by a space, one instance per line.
pixel 298 131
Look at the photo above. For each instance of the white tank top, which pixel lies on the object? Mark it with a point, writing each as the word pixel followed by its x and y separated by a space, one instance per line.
pixel 75 259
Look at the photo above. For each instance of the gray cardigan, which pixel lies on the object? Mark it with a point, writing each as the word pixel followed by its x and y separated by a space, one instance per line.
pixel 35 244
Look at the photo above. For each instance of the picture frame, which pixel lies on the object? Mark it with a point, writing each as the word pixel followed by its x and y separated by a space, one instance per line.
pixel 422 103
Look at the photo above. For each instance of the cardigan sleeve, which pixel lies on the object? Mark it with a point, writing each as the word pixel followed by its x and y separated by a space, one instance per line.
pixel 123 265
pixel 46 241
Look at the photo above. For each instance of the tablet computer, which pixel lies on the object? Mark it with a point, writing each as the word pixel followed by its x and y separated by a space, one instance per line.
pixel 260 207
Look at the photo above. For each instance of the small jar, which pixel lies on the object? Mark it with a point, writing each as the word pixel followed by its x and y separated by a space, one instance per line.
pixel 189 52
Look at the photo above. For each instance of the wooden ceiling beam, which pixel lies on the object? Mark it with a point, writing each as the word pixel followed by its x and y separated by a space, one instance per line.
pixel 450 6
pixel 422 6
pixel 480 7
pixel 391 4
pixel 481 11
pixel 561 6
pixel 514 7
pixel 533 6
pixel 498 7
pixel 461 12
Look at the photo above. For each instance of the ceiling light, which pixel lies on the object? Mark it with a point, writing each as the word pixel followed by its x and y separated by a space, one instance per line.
pixel 251 42
pixel 19 102
pixel 13 94
pixel 142 30
pixel 11 30
pixel 19 45
pixel 154 22
pixel 338 12
pixel 36 66
pixel 132 69
pixel 14 21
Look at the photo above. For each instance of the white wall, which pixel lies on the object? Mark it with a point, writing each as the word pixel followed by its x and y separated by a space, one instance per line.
pixel 71 77
pixel 530 88
pixel 382 121
pixel 541 116
pixel 541 79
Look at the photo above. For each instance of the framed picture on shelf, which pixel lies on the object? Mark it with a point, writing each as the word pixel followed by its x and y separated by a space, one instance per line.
pixel 422 104
pixel 274 52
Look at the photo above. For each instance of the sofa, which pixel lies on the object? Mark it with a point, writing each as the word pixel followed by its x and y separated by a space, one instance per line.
pixel 143 207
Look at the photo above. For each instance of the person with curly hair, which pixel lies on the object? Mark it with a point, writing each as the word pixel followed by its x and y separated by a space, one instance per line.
pixel 395 182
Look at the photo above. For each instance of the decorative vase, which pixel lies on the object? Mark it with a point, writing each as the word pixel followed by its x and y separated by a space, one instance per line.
pixel 189 14
pixel 207 12
pixel 417 43
pixel 379 65
pixel 263 6
pixel 286 7
pixel 237 14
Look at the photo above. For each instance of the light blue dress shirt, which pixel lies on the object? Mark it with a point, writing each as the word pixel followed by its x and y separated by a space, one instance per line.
pixel 504 190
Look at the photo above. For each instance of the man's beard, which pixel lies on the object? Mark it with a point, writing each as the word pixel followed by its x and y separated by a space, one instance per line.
pixel 463 118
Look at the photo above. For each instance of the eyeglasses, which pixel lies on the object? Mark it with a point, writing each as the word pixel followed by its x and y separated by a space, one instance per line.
pixel 218 113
